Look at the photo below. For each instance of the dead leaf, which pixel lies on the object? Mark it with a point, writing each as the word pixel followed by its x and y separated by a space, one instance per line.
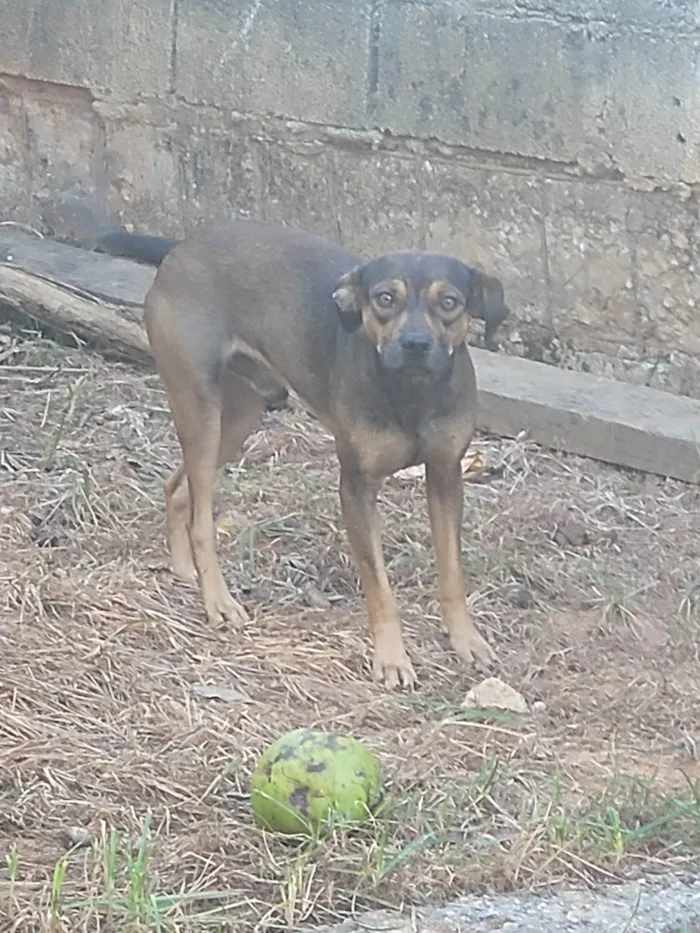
pixel 76 837
pixel 493 693
pixel 225 526
pixel 411 472
pixel 220 692
pixel 475 465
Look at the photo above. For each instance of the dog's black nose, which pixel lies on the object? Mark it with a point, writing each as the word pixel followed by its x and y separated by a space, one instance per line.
pixel 416 341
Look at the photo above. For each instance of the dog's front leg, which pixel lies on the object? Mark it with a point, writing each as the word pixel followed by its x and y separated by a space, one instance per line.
pixel 445 504
pixel 358 497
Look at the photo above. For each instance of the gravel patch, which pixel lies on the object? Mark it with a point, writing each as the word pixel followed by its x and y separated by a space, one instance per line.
pixel 668 905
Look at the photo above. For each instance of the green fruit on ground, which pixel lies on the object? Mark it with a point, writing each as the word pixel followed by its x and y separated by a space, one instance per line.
pixel 307 778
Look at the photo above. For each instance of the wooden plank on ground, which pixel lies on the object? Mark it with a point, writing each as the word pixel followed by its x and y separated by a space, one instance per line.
pixel 627 425
pixel 116 330
pixel 119 281
pixel 96 297
pixel 618 423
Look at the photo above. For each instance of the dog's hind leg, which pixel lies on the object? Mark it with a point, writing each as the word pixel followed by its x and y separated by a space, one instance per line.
pixel 241 407
pixel 177 519
pixel 212 420
pixel 197 415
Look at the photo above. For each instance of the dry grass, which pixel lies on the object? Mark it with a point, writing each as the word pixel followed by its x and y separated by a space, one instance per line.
pixel 123 789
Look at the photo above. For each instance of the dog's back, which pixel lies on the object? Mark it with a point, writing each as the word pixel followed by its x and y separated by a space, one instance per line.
pixel 224 289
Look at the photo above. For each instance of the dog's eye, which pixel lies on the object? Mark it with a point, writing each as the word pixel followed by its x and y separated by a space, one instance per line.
pixel 448 303
pixel 384 299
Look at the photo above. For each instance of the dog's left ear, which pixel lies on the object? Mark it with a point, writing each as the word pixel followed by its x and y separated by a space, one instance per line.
pixel 487 302
pixel 349 296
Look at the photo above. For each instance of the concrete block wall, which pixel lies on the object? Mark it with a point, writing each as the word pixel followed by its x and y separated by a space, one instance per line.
pixel 554 142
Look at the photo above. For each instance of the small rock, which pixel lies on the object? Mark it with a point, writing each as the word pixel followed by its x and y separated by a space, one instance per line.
pixel 493 693
pixel 571 532
pixel 76 837
pixel 315 598
pixel 539 706
pixel 520 596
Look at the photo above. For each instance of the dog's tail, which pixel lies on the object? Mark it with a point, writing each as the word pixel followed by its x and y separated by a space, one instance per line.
pixel 150 250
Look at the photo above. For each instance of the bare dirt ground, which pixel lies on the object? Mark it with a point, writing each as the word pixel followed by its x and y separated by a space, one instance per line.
pixel 129 727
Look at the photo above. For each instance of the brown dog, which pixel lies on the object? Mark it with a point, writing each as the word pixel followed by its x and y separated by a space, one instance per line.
pixel 376 350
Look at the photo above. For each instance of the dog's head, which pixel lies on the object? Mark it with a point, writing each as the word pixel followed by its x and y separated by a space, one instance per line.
pixel 415 307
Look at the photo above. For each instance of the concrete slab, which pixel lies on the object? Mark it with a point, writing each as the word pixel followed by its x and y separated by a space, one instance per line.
pixel 618 423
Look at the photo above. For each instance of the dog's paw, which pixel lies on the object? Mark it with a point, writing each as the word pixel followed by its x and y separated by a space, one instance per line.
pixel 184 569
pixel 224 608
pixel 470 645
pixel 394 669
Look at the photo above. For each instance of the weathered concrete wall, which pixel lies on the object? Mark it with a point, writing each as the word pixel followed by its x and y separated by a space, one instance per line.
pixel 556 142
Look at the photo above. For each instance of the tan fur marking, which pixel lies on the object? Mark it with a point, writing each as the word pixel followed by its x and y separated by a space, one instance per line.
pixel 379 332
pixel 457 332
pixel 434 291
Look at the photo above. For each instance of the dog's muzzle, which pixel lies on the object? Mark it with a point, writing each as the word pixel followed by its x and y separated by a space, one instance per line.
pixel 415 344
pixel 416 352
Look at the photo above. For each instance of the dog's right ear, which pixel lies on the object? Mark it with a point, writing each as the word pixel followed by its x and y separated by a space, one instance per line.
pixel 349 297
pixel 495 309
pixel 487 302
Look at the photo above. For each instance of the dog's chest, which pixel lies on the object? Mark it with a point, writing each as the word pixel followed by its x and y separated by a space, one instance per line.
pixel 384 444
